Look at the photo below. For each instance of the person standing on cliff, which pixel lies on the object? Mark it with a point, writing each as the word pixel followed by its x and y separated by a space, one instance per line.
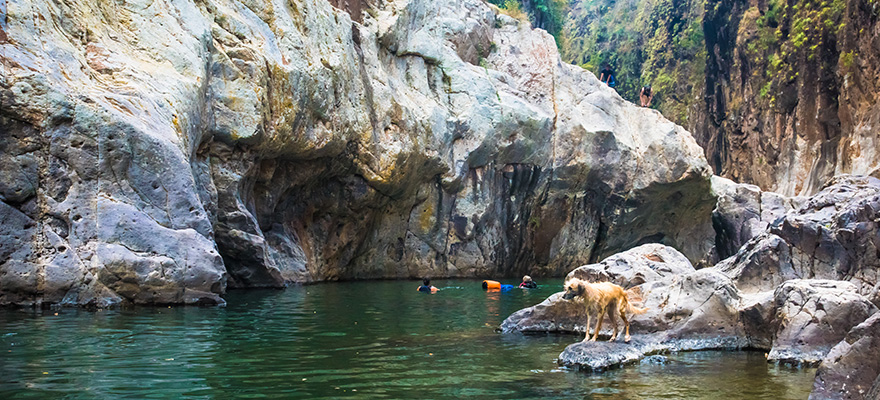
pixel 606 75
pixel 646 95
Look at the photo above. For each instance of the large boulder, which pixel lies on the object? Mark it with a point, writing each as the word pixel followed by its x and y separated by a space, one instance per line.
pixel 831 236
pixel 834 235
pixel 851 369
pixel 693 311
pixel 761 265
pixel 646 263
pixel 743 212
pixel 687 309
pixel 770 295
pixel 155 157
pixel 814 315
pixel 700 308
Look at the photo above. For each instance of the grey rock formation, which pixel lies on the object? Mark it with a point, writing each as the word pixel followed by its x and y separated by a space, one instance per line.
pixel 829 236
pixel 852 367
pixel 597 356
pixel 743 212
pixel 646 263
pixel 787 290
pixel 687 309
pixel 761 265
pixel 834 235
pixel 160 154
pixel 701 305
pixel 814 315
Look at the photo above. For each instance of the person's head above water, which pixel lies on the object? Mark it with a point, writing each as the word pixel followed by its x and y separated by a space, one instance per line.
pixel 426 286
pixel 527 278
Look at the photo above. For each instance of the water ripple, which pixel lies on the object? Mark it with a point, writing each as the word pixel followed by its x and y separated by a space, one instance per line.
pixel 342 340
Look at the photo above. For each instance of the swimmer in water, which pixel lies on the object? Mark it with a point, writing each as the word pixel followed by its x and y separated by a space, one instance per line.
pixel 426 286
pixel 528 283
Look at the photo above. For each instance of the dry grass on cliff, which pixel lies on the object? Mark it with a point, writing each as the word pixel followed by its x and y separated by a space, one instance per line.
pixel 513 9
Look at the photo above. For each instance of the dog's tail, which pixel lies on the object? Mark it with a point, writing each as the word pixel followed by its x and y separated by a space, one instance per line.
pixel 631 309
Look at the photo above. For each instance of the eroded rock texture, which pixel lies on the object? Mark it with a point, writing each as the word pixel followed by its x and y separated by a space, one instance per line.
pixel 744 211
pixel 814 315
pixel 781 94
pixel 160 152
pixel 687 309
pixel 833 235
pixel 805 290
pixel 852 368
pixel 790 92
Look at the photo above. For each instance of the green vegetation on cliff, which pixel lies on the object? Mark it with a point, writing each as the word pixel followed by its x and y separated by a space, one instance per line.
pixel 662 43
pixel 657 43
pixel 548 15
pixel 778 38
pixel 754 81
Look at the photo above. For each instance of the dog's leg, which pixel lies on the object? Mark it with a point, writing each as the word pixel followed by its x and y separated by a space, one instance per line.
pixel 625 323
pixel 614 325
pixel 598 324
pixel 587 335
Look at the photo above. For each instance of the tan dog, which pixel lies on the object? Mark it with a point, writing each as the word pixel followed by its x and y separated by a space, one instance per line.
pixel 601 298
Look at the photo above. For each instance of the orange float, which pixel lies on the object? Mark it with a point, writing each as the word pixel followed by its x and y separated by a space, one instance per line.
pixel 491 285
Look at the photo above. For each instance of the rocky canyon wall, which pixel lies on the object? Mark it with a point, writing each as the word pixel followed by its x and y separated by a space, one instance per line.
pixel 781 94
pixel 164 151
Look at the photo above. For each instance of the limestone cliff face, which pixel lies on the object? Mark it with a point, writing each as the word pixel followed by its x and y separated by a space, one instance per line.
pixel 781 94
pixel 164 151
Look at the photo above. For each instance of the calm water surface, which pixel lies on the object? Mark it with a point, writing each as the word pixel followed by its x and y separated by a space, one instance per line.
pixel 345 340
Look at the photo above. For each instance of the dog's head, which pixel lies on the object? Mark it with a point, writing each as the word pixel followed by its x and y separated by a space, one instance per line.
pixel 573 288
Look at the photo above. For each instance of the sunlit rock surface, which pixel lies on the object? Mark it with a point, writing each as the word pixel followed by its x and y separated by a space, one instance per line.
pixel 687 309
pixel 744 211
pixel 804 289
pixel 814 315
pixel 852 368
pixel 160 152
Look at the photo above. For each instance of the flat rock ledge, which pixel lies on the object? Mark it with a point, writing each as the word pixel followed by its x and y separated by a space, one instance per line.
pixel 601 355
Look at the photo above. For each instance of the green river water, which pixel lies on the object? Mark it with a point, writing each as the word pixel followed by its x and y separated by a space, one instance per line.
pixel 371 340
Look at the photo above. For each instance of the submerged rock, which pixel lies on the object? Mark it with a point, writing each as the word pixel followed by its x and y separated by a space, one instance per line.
pixel 597 356
pixel 655 360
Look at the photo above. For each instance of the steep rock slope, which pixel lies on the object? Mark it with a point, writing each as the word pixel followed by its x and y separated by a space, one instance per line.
pixel 780 94
pixel 160 152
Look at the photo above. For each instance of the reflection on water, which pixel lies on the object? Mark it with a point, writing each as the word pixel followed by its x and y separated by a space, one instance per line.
pixel 358 339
